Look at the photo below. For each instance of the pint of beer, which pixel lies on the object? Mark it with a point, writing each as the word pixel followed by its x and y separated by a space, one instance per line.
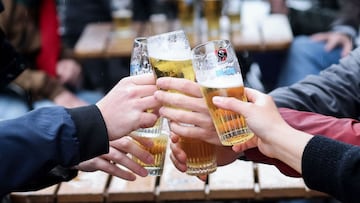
pixel 186 14
pixel 139 64
pixel 212 12
pixel 218 73
pixel 122 17
pixel 170 56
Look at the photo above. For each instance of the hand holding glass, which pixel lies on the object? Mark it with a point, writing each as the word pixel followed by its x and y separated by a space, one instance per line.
pixel 218 73
pixel 170 56
pixel 139 64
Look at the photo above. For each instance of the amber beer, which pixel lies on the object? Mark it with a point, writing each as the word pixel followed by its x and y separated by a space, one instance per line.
pixel 201 157
pixel 170 56
pixel 212 12
pixel 230 126
pixel 140 64
pixel 122 21
pixel 158 150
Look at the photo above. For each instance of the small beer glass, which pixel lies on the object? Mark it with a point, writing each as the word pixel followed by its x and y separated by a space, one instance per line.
pixel 170 56
pixel 218 73
pixel 122 17
pixel 139 64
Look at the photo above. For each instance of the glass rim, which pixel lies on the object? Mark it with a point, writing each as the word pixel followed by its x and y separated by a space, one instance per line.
pixel 166 34
pixel 227 42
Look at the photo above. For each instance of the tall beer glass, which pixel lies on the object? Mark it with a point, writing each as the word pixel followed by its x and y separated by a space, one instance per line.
pixel 212 12
pixel 170 56
pixel 139 64
pixel 218 73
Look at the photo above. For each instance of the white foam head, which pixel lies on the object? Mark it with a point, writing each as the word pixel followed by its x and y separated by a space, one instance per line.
pixel 223 82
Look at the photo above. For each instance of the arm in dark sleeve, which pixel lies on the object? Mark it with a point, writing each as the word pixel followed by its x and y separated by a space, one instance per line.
pixel 335 91
pixel 332 167
pixel 34 144
pixel 345 130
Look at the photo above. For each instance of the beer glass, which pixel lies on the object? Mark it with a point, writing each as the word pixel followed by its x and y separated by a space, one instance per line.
pixel 122 17
pixel 139 64
pixel 212 12
pixel 170 56
pixel 186 14
pixel 232 9
pixel 218 73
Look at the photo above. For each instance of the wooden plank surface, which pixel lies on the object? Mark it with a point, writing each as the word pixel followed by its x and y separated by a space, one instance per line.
pixel 41 196
pixel 234 181
pixel 140 190
pixel 274 184
pixel 93 41
pixel 86 187
pixel 267 34
pixel 175 185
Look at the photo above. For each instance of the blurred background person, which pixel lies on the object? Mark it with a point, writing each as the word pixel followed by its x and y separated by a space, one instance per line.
pixel 330 35
pixel 31 26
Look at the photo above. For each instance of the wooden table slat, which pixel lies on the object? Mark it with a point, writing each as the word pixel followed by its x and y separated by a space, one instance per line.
pixel 86 187
pixel 272 183
pixel 234 181
pixel 41 196
pixel 143 189
pixel 93 41
pixel 175 185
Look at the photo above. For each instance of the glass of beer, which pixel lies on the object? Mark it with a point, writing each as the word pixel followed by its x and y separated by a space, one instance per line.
pixel 218 73
pixel 139 64
pixel 170 56
pixel 232 9
pixel 186 14
pixel 212 10
pixel 122 17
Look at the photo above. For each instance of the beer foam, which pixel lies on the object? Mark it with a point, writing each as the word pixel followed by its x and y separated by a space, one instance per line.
pixel 170 54
pixel 223 82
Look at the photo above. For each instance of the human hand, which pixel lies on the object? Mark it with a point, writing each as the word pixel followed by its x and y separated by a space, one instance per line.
pixel 275 138
pixel 69 72
pixel 334 39
pixel 124 107
pixel 190 107
pixel 114 162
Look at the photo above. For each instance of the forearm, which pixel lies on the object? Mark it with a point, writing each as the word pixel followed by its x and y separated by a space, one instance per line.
pixel 333 92
pixel 290 146
pixel 45 138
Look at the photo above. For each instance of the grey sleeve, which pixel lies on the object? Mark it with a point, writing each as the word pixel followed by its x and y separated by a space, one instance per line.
pixel 335 91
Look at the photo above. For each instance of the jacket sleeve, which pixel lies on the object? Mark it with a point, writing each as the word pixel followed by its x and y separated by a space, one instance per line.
pixel 332 167
pixel 344 130
pixel 34 144
pixel 334 92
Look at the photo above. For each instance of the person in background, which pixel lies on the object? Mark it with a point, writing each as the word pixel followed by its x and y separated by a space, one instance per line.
pixel 31 26
pixel 317 45
pixel 54 142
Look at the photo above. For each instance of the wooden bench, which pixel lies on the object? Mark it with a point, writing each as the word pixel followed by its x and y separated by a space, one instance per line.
pixel 239 180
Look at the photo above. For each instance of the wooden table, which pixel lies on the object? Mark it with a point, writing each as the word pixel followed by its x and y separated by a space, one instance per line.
pixel 271 33
pixel 239 180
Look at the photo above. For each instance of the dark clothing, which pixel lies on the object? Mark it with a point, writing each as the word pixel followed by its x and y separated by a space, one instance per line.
pixel 325 15
pixel 11 63
pixel 332 167
pixel 34 144
pixel 329 166
pixel 335 91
